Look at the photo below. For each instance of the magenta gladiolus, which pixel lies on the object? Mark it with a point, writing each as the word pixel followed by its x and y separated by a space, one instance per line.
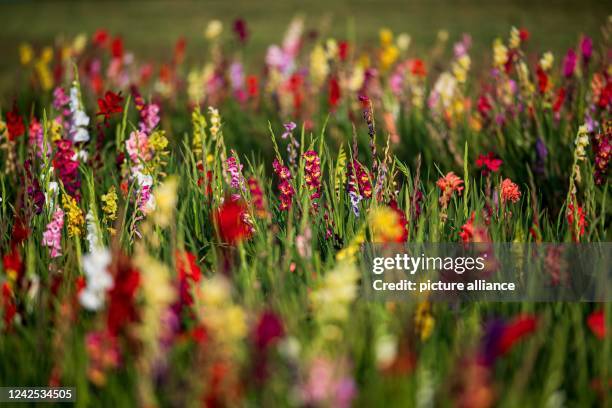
pixel 569 63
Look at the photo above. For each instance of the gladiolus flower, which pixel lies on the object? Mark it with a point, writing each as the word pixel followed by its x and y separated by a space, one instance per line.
pixel 502 336
pixel 110 105
pixel 510 191
pixel 231 220
pixel 334 92
pixel 100 37
pixel 559 99
pixel 52 237
pixel 597 324
pixel 484 106
pixel 95 266
pixel 286 189
pixel 448 185
pixel 312 173
pixel 257 197
pixel 387 225
pixel 569 63
pixel 269 329
pixel 488 163
pixel 586 48
pixel 8 305
pixel 578 224
pixel 14 124
pixel 241 30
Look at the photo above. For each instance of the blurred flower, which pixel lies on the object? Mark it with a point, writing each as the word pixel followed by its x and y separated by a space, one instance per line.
pixel 26 53
pixel 99 280
pixel 122 308
pixel 14 124
pixel 268 330
pixel 257 197
pixel 586 48
pixel 473 233
pixel 327 385
pixel 488 163
pixel 500 53
pixel 165 198
pixel 597 323
pixel 403 41
pixel 547 60
pixel 213 29
pixel 289 127
pixel 423 320
pixel 500 337
pixel 569 63
pixel 232 221
pixel 319 67
pixel 224 320
pixel 387 225
pixel 240 29
pixel 104 354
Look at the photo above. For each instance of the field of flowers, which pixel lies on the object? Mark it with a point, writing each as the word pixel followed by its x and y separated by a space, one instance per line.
pixel 189 231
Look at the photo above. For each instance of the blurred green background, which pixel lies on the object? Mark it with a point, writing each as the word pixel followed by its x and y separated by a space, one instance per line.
pixel 151 28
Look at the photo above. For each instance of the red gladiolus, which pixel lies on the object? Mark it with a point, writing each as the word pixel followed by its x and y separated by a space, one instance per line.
pixel 484 106
pixel 559 99
pixel 402 221
pixel 100 37
pixel 269 329
pixel 581 221
pixel 605 99
pixel 524 34
pixel 117 47
pixel 542 80
pixel 241 30
pixel 187 267
pixel 110 105
pixel 488 163
pixel 597 324
pixel 417 68
pixel 13 265
pixel 121 308
pixel 231 220
pixel 252 86
pixel 343 50
pixel 188 273
pixel 8 304
pixel 14 124
pixel 334 92
pixel 514 331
